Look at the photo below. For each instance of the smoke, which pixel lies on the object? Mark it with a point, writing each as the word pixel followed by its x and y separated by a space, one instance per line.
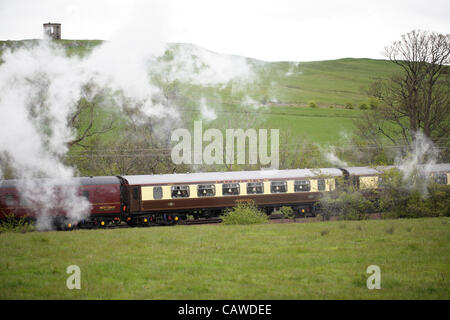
pixel 207 113
pixel 331 157
pixel 40 87
pixel 417 164
pixel 329 153
pixel 293 69
pixel 196 65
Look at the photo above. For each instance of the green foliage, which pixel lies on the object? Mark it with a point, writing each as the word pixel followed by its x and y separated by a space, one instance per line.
pixel 244 213
pixel 412 197
pixel 348 105
pixel 345 203
pixel 374 103
pixel 312 104
pixel 287 212
pixel 11 223
pixel 363 106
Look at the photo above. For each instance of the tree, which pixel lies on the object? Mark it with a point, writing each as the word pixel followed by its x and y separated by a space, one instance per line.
pixel 86 119
pixel 416 98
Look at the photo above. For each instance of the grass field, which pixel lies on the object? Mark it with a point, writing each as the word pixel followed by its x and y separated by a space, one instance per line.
pixel 324 260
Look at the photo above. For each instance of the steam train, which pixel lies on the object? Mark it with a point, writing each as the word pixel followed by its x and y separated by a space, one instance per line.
pixel 164 199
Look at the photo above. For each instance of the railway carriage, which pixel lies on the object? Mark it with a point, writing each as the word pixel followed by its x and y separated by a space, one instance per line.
pixel 440 172
pixel 361 178
pixel 165 198
pixel 103 194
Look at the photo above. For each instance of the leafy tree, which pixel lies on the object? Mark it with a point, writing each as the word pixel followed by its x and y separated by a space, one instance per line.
pixel 417 97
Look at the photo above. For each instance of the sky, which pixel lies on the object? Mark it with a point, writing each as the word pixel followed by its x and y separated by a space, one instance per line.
pixel 271 30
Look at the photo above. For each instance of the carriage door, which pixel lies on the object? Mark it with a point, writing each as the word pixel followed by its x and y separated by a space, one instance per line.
pixel 135 197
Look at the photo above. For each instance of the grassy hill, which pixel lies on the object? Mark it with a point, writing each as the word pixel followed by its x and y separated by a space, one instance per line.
pixel 332 82
pixel 324 260
pixel 282 91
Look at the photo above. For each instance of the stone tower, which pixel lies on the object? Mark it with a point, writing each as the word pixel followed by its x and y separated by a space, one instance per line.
pixel 52 30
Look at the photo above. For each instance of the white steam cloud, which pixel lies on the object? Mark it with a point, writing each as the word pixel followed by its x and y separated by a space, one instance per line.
pixel 40 87
pixel 417 164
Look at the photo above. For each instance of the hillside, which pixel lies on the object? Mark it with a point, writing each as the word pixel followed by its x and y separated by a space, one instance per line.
pixel 331 82
pixel 280 92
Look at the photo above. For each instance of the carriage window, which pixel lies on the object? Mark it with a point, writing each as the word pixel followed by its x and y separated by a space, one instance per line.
pixel 441 178
pixel 85 194
pixel 206 190
pixel 231 189
pixel 355 182
pixel 321 184
pixel 10 200
pixel 255 187
pixel 157 193
pixel 135 193
pixel 278 187
pixel 180 191
pixel 302 185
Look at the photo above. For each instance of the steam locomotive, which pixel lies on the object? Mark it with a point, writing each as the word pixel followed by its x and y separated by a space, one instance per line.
pixel 164 199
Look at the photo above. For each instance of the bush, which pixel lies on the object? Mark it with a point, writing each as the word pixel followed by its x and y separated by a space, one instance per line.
pixel 244 214
pixel 287 212
pixel 363 106
pixel 348 105
pixel 345 203
pixel 312 104
pixel 412 198
pixel 13 224
pixel 373 103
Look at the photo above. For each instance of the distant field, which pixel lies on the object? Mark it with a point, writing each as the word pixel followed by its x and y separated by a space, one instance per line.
pixel 325 260
pixel 320 125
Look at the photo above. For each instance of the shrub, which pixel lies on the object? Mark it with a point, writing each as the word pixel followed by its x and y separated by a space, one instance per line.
pixel 11 223
pixel 347 204
pixel 287 212
pixel 373 103
pixel 363 106
pixel 412 198
pixel 348 105
pixel 244 214
pixel 312 104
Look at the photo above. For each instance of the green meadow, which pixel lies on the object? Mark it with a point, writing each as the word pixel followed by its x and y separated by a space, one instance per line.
pixel 322 260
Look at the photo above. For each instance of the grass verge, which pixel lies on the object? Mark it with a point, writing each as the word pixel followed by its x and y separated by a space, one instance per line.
pixel 265 261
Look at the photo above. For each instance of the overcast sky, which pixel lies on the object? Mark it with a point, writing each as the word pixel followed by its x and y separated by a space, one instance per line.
pixel 264 29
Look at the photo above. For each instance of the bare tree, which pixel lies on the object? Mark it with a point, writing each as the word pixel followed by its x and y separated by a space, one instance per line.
pixel 415 99
pixel 87 117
